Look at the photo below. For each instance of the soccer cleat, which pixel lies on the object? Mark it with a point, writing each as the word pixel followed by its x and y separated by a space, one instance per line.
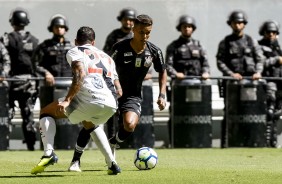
pixel 45 162
pixel 75 166
pixel 114 169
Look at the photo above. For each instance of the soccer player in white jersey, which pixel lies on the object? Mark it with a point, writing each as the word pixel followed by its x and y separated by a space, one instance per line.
pixel 91 99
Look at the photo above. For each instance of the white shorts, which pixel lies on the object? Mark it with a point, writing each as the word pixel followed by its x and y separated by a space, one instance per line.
pixel 96 113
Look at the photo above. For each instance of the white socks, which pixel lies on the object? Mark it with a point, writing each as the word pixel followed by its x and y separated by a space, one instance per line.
pixel 100 139
pixel 47 127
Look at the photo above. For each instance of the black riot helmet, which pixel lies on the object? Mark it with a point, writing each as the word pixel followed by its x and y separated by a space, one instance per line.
pixel 186 19
pixel 237 16
pixel 58 20
pixel 19 17
pixel 127 13
pixel 269 25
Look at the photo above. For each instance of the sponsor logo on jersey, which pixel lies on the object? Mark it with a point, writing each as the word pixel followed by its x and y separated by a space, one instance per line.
pixel 148 61
pixel 97 82
pixel 138 62
pixel 128 54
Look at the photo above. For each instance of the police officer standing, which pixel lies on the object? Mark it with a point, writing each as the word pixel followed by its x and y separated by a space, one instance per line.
pixel 185 56
pixel 269 31
pixel 50 57
pixel 20 45
pixel 238 55
pixel 126 18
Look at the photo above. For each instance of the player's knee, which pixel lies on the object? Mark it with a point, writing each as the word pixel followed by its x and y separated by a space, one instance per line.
pixel 88 125
pixel 130 126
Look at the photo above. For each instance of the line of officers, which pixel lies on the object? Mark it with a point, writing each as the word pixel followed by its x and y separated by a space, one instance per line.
pixel 239 55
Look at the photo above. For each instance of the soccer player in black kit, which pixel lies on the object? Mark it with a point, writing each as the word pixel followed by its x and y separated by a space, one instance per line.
pixel 133 58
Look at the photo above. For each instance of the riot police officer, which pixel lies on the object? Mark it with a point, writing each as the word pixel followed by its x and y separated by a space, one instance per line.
pixel 185 56
pixel 20 45
pixel 50 56
pixel 269 31
pixel 126 18
pixel 238 55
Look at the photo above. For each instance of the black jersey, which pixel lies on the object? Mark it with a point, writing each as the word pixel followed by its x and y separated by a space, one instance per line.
pixel 132 68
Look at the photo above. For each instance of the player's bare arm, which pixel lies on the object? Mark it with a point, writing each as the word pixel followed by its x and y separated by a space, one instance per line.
pixel 77 81
pixel 162 85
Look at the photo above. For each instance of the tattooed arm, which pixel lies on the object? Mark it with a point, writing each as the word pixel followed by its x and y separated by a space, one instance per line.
pixel 77 81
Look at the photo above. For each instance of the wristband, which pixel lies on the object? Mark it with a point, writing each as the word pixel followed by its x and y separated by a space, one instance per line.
pixel 161 95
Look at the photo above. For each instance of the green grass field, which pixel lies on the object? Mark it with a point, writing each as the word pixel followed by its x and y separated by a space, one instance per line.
pixel 177 166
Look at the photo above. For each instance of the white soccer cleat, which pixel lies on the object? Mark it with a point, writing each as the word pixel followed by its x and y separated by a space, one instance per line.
pixel 75 166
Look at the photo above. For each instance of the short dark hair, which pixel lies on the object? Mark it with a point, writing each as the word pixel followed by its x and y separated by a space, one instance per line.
pixel 85 35
pixel 143 19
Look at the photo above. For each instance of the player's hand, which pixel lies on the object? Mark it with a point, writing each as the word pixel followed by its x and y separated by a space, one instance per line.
pixel 61 107
pixel 237 76
pixel 161 103
pixel 49 78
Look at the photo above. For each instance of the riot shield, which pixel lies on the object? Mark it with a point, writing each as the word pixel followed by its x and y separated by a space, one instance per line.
pixel 191 114
pixel 246 114
pixel 4 118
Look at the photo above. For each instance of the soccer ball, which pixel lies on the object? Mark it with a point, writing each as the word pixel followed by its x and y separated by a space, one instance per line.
pixel 145 158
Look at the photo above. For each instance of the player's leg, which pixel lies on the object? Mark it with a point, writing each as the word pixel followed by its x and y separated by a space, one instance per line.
pixel 81 142
pixel 47 127
pixel 130 120
pixel 100 139
pixel 130 111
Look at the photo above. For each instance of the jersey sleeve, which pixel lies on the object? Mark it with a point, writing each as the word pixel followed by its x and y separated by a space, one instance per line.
pixel 158 61
pixel 74 55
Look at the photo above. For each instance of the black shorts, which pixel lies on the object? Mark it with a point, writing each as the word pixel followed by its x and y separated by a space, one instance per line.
pixel 130 104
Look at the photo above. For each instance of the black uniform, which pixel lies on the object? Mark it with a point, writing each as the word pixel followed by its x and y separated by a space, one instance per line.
pixel 50 55
pixel 114 37
pixel 240 55
pixel 20 46
pixel 272 68
pixel 186 56
pixel 132 68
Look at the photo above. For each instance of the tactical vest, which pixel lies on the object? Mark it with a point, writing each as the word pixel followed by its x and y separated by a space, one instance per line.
pixel 187 58
pixel 20 49
pixel 239 56
pixel 271 50
pixel 54 58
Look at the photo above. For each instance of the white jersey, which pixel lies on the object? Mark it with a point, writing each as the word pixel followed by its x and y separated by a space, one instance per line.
pixel 98 85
